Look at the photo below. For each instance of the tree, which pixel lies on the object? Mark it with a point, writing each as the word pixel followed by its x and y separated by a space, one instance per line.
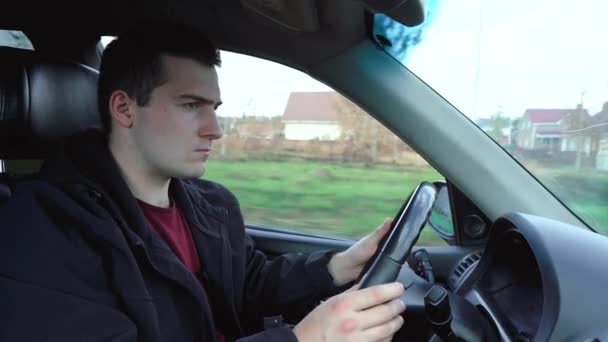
pixel 498 123
pixel 574 125
pixel 599 127
pixel 364 133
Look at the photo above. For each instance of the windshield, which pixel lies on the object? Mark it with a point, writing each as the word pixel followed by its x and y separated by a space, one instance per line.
pixel 533 75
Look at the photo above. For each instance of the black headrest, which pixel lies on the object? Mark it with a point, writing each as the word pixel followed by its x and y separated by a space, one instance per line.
pixel 41 101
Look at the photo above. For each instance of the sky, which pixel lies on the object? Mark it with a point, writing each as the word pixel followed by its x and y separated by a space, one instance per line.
pixel 259 87
pixel 481 55
pixel 530 53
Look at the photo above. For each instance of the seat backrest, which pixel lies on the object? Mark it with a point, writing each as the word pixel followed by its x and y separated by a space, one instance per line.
pixel 42 100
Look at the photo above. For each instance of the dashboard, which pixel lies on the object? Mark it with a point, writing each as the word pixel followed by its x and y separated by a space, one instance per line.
pixel 510 291
pixel 540 280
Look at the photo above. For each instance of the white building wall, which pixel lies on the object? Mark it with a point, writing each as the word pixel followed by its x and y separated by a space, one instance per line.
pixel 310 131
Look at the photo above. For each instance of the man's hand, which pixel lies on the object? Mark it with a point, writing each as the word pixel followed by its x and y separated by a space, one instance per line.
pixel 346 266
pixel 371 314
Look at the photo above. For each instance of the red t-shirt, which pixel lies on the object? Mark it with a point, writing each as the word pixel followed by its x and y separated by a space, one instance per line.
pixel 171 225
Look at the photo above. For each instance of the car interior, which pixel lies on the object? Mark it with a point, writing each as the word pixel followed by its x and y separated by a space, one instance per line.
pixel 520 265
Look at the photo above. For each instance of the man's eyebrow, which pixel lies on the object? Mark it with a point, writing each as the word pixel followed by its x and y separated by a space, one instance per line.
pixel 200 99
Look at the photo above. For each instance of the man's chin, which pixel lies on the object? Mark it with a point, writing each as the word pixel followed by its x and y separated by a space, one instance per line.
pixel 190 173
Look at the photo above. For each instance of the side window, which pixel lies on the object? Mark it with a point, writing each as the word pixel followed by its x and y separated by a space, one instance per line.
pixel 105 40
pixel 16 39
pixel 300 156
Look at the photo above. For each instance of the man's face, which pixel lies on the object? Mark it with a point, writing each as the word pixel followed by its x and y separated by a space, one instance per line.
pixel 174 131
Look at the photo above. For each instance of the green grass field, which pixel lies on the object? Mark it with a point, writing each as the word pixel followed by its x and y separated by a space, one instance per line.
pixel 318 197
pixel 584 191
pixel 349 200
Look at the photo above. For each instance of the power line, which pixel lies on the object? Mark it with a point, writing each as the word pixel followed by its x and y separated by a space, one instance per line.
pixel 478 65
pixel 586 128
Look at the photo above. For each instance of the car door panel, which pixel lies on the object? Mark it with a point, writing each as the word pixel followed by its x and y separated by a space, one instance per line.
pixel 275 242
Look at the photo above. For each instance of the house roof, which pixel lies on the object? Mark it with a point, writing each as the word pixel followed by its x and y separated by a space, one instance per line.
pixel 546 115
pixel 311 106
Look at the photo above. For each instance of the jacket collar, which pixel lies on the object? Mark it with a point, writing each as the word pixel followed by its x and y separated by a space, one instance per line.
pixel 85 159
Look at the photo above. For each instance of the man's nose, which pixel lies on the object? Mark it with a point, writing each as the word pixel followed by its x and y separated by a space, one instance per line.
pixel 211 128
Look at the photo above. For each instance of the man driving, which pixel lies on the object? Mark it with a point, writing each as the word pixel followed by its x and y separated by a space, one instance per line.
pixel 123 241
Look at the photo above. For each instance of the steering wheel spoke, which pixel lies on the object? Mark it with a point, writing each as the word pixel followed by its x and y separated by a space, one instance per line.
pixel 405 229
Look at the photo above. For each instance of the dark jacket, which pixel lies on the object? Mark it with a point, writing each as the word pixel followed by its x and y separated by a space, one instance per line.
pixel 78 262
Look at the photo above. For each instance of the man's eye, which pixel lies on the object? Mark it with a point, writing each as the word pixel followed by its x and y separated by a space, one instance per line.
pixel 192 105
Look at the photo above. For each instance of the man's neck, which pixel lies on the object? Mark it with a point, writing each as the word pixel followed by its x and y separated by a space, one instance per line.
pixel 143 183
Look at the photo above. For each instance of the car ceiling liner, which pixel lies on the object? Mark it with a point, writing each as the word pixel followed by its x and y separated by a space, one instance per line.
pixel 303 15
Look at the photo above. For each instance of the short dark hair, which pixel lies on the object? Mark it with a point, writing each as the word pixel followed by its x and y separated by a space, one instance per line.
pixel 133 62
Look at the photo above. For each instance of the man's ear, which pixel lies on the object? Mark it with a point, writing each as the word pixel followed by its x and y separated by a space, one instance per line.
pixel 122 108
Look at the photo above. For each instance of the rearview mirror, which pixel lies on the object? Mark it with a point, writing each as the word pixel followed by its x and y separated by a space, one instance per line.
pixel 441 214
pixel 408 12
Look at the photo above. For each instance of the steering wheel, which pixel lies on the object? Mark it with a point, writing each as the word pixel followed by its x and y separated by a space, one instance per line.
pixel 397 244
pixel 387 266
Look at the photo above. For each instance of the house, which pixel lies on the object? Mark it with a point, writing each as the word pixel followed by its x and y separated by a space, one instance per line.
pixel 311 115
pixel 542 129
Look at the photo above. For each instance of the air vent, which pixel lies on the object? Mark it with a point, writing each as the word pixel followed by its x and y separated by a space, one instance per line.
pixel 464 267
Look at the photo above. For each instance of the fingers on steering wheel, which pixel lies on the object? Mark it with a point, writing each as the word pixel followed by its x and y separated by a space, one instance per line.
pixel 376 295
pixel 383 228
pixel 381 314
